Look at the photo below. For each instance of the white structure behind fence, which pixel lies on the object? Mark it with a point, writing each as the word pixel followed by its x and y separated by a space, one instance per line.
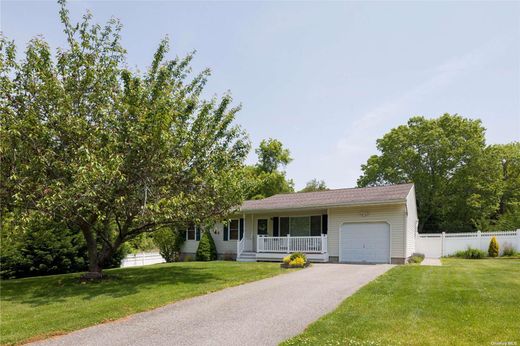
pixel 142 259
pixel 436 245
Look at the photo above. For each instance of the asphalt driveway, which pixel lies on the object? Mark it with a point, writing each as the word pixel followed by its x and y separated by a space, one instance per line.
pixel 264 312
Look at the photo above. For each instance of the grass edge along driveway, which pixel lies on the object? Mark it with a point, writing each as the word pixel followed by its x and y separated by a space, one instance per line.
pixel 40 307
pixel 464 302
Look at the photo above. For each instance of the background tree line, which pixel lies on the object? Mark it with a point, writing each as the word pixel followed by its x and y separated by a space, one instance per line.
pixel 462 184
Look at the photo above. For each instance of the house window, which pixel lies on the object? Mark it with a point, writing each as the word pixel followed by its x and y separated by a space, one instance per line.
pixel 262 226
pixel 284 226
pixel 316 226
pixel 192 233
pixel 233 229
pixel 301 226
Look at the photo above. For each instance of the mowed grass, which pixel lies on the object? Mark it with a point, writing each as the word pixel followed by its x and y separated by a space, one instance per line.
pixel 464 302
pixel 36 308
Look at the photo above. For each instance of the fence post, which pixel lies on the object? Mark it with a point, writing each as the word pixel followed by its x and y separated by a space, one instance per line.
pixel 518 239
pixel 288 244
pixel 479 237
pixel 442 243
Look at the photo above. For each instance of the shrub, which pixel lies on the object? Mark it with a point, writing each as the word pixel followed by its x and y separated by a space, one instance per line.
pixel 41 246
pixel 470 253
pixel 287 259
pixel 297 262
pixel 509 250
pixel 169 241
pixel 493 247
pixel 207 251
pixel 416 258
pixel 295 255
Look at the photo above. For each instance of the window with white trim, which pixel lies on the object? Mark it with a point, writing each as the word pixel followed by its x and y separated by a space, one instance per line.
pixel 191 232
pixel 301 226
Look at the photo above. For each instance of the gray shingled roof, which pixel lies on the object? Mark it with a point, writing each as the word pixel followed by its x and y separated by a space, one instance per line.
pixel 339 197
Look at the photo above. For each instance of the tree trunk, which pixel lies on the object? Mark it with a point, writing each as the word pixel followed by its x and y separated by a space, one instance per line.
pixel 94 269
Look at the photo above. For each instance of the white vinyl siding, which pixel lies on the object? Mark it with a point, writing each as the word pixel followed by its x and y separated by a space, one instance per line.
pixel 393 214
pixel 223 247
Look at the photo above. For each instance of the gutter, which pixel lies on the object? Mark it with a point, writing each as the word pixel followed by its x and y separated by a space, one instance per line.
pixel 326 206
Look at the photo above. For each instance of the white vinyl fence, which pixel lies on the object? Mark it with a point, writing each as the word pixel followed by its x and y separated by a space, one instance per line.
pixel 142 259
pixel 436 245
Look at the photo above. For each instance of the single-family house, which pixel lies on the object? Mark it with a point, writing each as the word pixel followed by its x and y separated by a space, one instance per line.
pixel 353 225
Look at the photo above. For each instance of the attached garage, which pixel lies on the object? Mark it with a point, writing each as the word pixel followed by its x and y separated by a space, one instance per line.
pixel 365 242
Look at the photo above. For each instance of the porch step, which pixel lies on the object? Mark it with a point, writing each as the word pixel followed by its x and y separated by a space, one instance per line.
pixel 247 257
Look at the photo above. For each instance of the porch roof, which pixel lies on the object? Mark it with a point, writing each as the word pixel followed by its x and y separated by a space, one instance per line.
pixel 331 198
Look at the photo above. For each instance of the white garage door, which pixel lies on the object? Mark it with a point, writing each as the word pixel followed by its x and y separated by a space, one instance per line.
pixel 365 242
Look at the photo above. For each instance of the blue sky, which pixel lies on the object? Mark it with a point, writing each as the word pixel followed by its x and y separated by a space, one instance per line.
pixel 326 78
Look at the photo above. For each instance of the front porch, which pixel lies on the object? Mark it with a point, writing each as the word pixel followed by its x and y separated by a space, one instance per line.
pixel 276 248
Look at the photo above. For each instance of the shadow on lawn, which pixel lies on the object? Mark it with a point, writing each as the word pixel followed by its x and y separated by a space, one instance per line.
pixel 118 283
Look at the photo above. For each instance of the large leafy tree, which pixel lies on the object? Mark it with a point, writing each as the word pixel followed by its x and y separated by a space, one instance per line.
pixel 507 216
pixel 111 152
pixel 267 177
pixel 447 159
pixel 314 185
pixel 272 155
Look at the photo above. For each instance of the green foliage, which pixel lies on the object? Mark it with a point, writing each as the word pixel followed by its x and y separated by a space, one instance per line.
pixel 314 185
pixel 493 249
pixel 510 220
pixel 470 253
pixel 458 179
pixel 509 250
pixel 142 243
pixel 169 241
pixel 272 155
pixel 265 179
pixel 41 246
pixel 416 258
pixel 110 152
pixel 264 184
pixel 206 251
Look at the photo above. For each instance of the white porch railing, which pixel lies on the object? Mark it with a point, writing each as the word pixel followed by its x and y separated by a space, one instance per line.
pixel 241 245
pixel 290 244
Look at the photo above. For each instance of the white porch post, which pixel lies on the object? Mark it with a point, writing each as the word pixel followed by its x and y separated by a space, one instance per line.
pixel 244 230
pixel 288 243
pixel 442 243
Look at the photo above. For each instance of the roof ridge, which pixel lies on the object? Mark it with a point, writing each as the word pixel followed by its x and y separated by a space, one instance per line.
pixel 329 190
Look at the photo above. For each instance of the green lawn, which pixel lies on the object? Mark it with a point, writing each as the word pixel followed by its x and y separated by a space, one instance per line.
pixel 464 302
pixel 37 307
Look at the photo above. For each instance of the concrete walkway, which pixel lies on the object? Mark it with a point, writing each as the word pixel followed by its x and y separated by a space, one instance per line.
pixel 264 312
pixel 431 262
